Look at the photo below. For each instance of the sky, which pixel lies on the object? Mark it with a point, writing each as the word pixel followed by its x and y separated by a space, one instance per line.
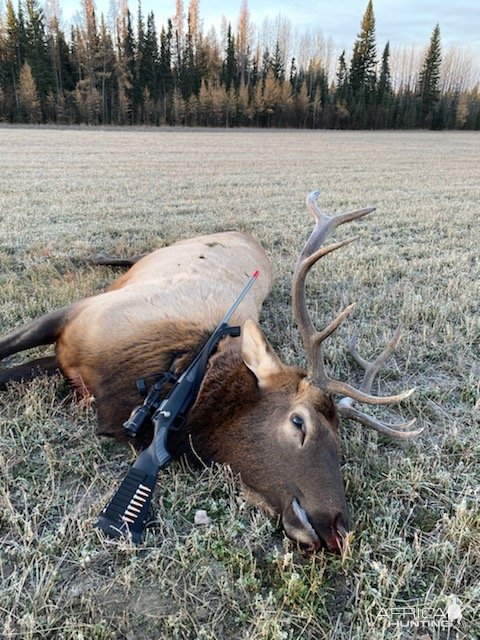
pixel 402 22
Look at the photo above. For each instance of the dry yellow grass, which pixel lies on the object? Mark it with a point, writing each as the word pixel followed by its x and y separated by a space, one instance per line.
pixel 67 193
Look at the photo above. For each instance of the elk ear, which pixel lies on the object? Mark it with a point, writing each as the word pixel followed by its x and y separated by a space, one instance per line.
pixel 258 355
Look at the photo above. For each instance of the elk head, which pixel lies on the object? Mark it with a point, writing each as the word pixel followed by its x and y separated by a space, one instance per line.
pixel 288 454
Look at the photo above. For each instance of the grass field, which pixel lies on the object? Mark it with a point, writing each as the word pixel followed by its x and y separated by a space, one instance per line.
pixel 65 194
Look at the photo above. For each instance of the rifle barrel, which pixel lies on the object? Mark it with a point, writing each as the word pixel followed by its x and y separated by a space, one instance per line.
pixel 241 296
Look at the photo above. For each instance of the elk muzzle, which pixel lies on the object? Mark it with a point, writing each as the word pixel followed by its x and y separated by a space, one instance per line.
pixel 315 530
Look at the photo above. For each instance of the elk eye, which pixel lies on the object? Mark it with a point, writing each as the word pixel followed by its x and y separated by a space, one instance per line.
pixel 298 421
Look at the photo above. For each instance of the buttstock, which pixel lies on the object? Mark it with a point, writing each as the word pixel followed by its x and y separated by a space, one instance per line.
pixel 126 514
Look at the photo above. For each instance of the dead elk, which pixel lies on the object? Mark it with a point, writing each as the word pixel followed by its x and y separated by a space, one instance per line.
pixel 275 425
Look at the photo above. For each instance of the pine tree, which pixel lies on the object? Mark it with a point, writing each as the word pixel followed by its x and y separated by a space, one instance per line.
pixel 342 78
pixel 266 64
pixel 362 76
pixel 37 50
pixel 229 72
pixel 90 86
pixel 255 73
pixel 28 96
pixel 384 93
pixel 429 81
pixel 13 58
pixel 103 74
pixel 55 36
pixel 189 77
pixel 278 63
pixel 62 69
pixel 178 29
pixel 150 66
pixel 295 79
pixel 165 78
pixel 342 95
pixel 106 73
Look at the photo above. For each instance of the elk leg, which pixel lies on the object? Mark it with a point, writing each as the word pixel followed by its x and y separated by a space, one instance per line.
pixel 44 330
pixel 29 370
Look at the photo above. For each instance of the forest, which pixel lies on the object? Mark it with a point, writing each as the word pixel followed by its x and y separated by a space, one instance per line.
pixel 128 70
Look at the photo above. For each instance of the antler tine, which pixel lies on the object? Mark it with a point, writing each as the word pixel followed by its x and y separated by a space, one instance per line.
pixel 310 254
pixel 324 223
pixel 371 369
pixel 313 339
pixel 400 431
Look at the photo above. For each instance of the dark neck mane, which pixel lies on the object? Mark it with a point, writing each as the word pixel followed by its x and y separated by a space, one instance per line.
pixel 225 394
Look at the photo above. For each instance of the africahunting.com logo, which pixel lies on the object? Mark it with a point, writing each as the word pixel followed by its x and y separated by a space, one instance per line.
pixel 415 615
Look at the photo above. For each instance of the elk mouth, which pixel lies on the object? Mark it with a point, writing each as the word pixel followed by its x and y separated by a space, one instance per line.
pixel 300 528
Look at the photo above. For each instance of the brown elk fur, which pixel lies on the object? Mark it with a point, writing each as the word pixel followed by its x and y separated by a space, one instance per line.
pixel 277 428
pixel 161 311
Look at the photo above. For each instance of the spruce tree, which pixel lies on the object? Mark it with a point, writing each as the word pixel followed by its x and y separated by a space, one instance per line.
pixel 124 75
pixel 384 93
pixel 229 73
pixel 165 78
pixel 429 81
pixel 278 63
pixel 106 73
pixel 37 51
pixel 189 76
pixel 342 78
pixel 150 67
pixel 342 93
pixel 13 57
pixel 362 76
pixel 128 68
pixel 139 82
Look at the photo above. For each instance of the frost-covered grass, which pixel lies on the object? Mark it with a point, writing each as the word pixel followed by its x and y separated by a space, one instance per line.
pixel 65 194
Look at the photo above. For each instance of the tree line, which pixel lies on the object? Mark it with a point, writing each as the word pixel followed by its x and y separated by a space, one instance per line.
pixel 126 72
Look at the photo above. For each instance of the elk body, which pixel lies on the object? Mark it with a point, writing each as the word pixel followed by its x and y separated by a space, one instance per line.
pixel 275 425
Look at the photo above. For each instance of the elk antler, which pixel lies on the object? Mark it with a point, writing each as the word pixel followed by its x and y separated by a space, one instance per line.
pixel 345 405
pixel 313 339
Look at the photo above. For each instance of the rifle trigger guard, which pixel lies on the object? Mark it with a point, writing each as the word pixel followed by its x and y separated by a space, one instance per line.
pixel 234 332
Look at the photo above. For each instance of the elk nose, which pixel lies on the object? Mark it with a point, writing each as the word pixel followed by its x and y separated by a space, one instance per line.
pixel 334 533
pixel 338 534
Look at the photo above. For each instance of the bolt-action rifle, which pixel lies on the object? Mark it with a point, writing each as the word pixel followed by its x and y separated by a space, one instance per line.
pixel 126 513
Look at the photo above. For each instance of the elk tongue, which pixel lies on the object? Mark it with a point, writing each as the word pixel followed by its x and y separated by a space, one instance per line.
pixel 339 534
pixel 303 518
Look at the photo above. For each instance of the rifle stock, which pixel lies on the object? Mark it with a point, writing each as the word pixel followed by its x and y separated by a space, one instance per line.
pixel 127 512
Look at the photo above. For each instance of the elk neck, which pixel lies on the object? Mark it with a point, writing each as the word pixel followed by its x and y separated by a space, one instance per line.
pixel 230 418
